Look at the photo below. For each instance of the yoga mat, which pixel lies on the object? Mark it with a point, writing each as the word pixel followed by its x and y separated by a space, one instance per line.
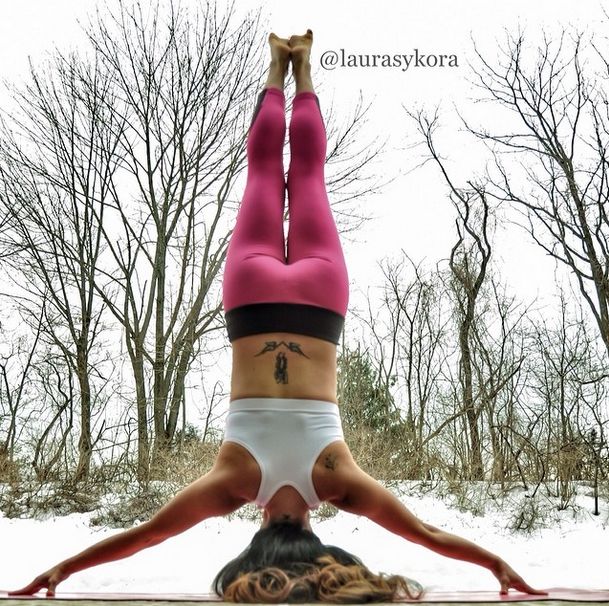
pixel 556 595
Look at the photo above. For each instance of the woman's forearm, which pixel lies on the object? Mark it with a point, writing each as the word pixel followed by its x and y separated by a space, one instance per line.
pixel 456 547
pixel 116 547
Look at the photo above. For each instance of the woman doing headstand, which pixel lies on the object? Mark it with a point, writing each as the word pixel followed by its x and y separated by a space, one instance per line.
pixel 283 446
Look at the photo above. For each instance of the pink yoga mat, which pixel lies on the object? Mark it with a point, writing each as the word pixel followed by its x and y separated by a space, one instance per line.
pixel 556 594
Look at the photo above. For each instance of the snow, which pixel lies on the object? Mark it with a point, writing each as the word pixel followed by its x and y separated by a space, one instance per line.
pixel 569 551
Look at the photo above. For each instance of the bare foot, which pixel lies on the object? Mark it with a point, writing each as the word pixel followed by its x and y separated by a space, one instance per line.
pixel 301 48
pixel 280 50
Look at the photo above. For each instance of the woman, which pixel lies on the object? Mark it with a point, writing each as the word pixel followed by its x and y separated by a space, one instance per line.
pixel 283 447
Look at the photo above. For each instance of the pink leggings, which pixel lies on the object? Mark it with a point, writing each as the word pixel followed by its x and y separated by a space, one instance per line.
pixel 257 269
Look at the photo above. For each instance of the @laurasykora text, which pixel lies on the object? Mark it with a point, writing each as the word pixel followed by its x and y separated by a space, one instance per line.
pixel 336 59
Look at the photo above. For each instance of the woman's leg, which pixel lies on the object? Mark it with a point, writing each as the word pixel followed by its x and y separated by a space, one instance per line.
pixel 314 251
pixel 257 249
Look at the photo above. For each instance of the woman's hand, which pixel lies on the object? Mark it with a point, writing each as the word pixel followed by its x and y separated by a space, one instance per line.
pixel 49 579
pixel 507 577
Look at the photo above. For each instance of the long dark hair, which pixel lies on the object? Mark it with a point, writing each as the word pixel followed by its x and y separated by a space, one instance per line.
pixel 287 563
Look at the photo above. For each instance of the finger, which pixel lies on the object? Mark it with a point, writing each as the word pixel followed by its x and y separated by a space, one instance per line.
pixel 528 589
pixel 28 589
pixel 521 585
pixel 51 589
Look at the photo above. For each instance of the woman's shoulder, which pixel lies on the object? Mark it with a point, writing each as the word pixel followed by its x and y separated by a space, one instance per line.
pixel 332 470
pixel 240 469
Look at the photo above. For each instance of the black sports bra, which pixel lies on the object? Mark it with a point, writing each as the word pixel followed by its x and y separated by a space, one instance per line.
pixel 298 318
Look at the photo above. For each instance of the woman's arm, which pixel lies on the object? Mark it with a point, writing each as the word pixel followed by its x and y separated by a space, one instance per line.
pixel 363 495
pixel 209 496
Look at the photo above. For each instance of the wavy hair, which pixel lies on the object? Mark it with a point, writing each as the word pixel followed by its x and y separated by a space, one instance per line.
pixel 287 563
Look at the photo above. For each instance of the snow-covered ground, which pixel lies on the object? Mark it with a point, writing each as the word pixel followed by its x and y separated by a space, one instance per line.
pixel 569 551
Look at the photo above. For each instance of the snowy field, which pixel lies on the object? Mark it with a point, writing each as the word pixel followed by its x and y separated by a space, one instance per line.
pixel 570 550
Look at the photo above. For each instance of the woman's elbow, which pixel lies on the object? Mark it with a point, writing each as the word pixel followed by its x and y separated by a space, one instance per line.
pixel 149 534
pixel 423 535
pixel 431 528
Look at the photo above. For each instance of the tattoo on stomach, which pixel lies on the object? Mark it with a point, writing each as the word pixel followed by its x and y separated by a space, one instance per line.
pixel 281 361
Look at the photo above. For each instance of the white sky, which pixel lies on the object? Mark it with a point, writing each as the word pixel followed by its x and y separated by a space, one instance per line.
pixel 414 212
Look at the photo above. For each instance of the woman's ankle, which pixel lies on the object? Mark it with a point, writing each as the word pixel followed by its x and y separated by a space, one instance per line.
pixel 274 90
pixel 302 77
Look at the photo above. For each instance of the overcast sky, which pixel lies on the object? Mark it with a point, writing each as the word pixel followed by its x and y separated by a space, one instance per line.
pixel 414 212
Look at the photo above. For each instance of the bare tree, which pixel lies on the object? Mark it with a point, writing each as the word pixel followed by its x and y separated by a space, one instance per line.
pixel 468 262
pixel 183 86
pixel 347 171
pixel 562 361
pixel 407 328
pixel 16 367
pixel 56 417
pixel 560 139
pixel 500 346
pixel 542 415
pixel 53 175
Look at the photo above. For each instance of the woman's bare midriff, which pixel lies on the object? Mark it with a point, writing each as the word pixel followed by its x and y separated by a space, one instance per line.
pixel 283 365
